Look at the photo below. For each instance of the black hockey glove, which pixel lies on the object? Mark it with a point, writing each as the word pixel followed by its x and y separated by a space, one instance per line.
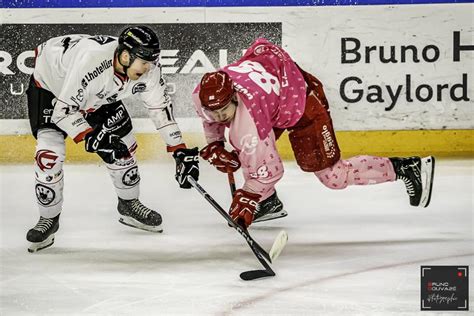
pixel 187 164
pixel 107 145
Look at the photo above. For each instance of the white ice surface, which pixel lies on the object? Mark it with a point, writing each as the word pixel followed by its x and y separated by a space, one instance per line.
pixel 351 252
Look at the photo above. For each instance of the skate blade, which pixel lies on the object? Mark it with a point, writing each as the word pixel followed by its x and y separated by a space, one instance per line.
pixel 37 246
pixel 128 221
pixel 427 174
pixel 268 217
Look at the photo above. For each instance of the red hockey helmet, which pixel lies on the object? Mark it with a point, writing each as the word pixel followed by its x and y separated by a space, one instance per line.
pixel 216 90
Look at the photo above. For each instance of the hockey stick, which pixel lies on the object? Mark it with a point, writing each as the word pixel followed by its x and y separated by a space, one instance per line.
pixel 280 240
pixel 258 251
pixel 230 177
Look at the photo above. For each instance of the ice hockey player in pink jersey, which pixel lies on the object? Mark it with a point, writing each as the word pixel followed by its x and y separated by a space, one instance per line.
pixel 76 90
pixel 257 98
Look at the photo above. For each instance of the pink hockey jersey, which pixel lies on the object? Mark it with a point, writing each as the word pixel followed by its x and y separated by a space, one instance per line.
pixel 271 93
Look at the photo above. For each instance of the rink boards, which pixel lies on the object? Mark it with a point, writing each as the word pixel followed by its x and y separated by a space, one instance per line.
pixel 398 77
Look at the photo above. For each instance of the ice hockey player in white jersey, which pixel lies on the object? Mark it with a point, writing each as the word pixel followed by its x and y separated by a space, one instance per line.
pixel 76 90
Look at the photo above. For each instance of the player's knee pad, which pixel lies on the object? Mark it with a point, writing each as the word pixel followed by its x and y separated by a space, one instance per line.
pixel 334 177
pixel 49 160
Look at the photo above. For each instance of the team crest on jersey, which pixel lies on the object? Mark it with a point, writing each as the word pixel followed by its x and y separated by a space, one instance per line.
pixel 138 87
pixel 44 194
pixel 131 177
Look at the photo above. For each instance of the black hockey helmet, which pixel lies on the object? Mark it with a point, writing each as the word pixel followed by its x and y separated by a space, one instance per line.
pixel 140 41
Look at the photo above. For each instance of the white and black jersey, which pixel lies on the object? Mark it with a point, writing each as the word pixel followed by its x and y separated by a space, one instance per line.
pixel 78 69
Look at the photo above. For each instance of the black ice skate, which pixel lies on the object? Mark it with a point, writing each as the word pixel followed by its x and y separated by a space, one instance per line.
pixel 417 173
pixel 270 208
pixel 42 235
pixel 137 215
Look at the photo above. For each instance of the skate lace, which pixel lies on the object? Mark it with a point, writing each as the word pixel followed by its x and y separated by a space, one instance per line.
pixel 408 182
pixel 44 224
pixel 140 209
pixel 409 185
pixel 413 167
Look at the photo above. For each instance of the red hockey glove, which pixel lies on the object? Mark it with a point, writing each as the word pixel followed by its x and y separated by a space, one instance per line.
pixel 220 158
pixel 243 207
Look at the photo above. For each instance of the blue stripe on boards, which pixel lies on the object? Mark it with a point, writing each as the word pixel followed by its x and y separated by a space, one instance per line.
pixel 204 3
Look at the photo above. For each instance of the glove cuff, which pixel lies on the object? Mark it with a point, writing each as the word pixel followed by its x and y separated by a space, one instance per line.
pixel 247 194
pixel 172 149
pixel 80 137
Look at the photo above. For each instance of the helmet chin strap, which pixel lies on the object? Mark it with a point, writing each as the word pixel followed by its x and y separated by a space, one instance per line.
pixel 130 62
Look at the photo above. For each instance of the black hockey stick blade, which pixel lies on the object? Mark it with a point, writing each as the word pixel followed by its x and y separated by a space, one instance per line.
pixel 257 250
pixel 256 274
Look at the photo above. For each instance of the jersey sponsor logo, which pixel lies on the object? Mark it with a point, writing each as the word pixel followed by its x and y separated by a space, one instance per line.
pixel 328 143
pixel 80 95
pixel 176 134
pixel 46 159
pixel 104 65
pixel 249 144
pixel 138 87
pixel 70 108
pixel 76 101
pixel 131 177
pixel 44 194
pixel 46 115
pixel 102 39
pixel 80 121
pixel 84 83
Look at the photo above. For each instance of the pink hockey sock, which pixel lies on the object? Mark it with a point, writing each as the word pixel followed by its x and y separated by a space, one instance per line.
pixel 359 170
